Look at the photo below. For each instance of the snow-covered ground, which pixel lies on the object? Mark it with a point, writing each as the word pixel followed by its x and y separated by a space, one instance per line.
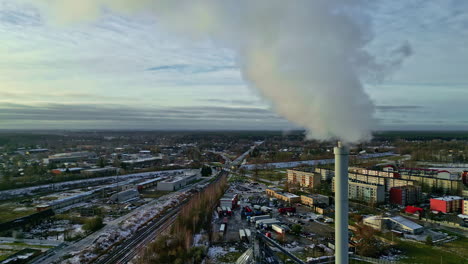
pixel 124 228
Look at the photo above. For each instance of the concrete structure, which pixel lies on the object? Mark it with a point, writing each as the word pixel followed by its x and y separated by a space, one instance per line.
pixel 405 195
pixel 447 204
pixel 341 204
pixel 325 174
pixel 143 162
pixel 284 196
pixel 70 157
pixel 125 196
pixel 363 191
pixel 404 225
pixel 175 183
pixel 465 207
pixel 304 178
pixel 397 223
pixel 101 171
pixel 428 178
pixel 315 199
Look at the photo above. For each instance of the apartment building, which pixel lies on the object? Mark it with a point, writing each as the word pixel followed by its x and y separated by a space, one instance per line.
pixel 284 196
pixel 304 178
pixel 364 191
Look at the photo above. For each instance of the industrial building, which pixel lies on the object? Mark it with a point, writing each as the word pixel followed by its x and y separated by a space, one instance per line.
pixel 175 183
pixel 100 171
pixel 397 223
pixel 315 199
pixel 125 196
pixel 284 196
pixel 363 191
pixel 143 162
pixel 447 204
pixel 304 177
pixel 70 157
pixel 405 195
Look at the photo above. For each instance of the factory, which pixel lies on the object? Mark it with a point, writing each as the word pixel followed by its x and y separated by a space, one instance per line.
pixel 176 183
pixel 125 196
pixel 397 223
pixel 284 196
pixel 70 157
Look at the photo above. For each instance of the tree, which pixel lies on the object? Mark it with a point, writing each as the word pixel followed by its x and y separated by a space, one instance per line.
pixel 296 229
pixel 206 171
pixel 102 162
pixel 93 224
pixel 429 241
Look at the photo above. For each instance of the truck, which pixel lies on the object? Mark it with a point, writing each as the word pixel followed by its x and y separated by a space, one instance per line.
pixel 248 234
pixel 278 229
pixel 253 219
pixel 242 235
pixel 266 223
pixel 222 229
pixel 287 210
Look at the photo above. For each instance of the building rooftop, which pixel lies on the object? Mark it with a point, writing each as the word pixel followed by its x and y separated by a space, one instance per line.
pixel 406 222
pixel 449 198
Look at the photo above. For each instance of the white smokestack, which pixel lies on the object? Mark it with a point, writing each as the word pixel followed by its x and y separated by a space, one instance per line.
pixel 341 204
pixel 307 57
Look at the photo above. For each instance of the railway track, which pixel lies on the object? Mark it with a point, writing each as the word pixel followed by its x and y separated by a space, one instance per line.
pixel 135 245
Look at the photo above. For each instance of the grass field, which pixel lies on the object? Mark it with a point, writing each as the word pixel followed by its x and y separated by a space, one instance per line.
pixel 455 252
pixel 10 211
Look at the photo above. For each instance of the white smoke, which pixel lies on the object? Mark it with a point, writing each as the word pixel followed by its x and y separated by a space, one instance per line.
pixel 308 57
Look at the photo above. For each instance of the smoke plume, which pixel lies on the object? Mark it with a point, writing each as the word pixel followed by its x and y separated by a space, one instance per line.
pixel 307 57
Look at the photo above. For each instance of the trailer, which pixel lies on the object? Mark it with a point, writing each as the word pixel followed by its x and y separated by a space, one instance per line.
pixel 287 210
pixel 278 229
pixel 248 234
pixel 222 229
pixel 266 223
pixel 253 219
pixel 242 235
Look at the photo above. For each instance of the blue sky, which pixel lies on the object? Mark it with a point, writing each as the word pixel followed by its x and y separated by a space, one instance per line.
pixel 128 72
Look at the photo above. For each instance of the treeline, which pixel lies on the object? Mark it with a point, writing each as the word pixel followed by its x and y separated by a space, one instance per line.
pixel 195 216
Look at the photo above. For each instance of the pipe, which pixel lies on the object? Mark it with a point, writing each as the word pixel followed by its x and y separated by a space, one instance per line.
pixel 341 204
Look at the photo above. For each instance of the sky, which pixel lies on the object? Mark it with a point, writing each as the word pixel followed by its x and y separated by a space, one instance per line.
pixel 124 71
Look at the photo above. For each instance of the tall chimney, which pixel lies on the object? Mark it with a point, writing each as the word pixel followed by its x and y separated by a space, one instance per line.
pixel 341 204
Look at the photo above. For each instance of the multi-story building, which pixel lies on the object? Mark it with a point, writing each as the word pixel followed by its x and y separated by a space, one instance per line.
pixel 387 182
pixel 427 178
pixel 405 195
pixel 284 196
pixel 363 191
pixel 447 204
pixel 315 199
pixel 325 173
pixel 465 207
pixel 304 178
